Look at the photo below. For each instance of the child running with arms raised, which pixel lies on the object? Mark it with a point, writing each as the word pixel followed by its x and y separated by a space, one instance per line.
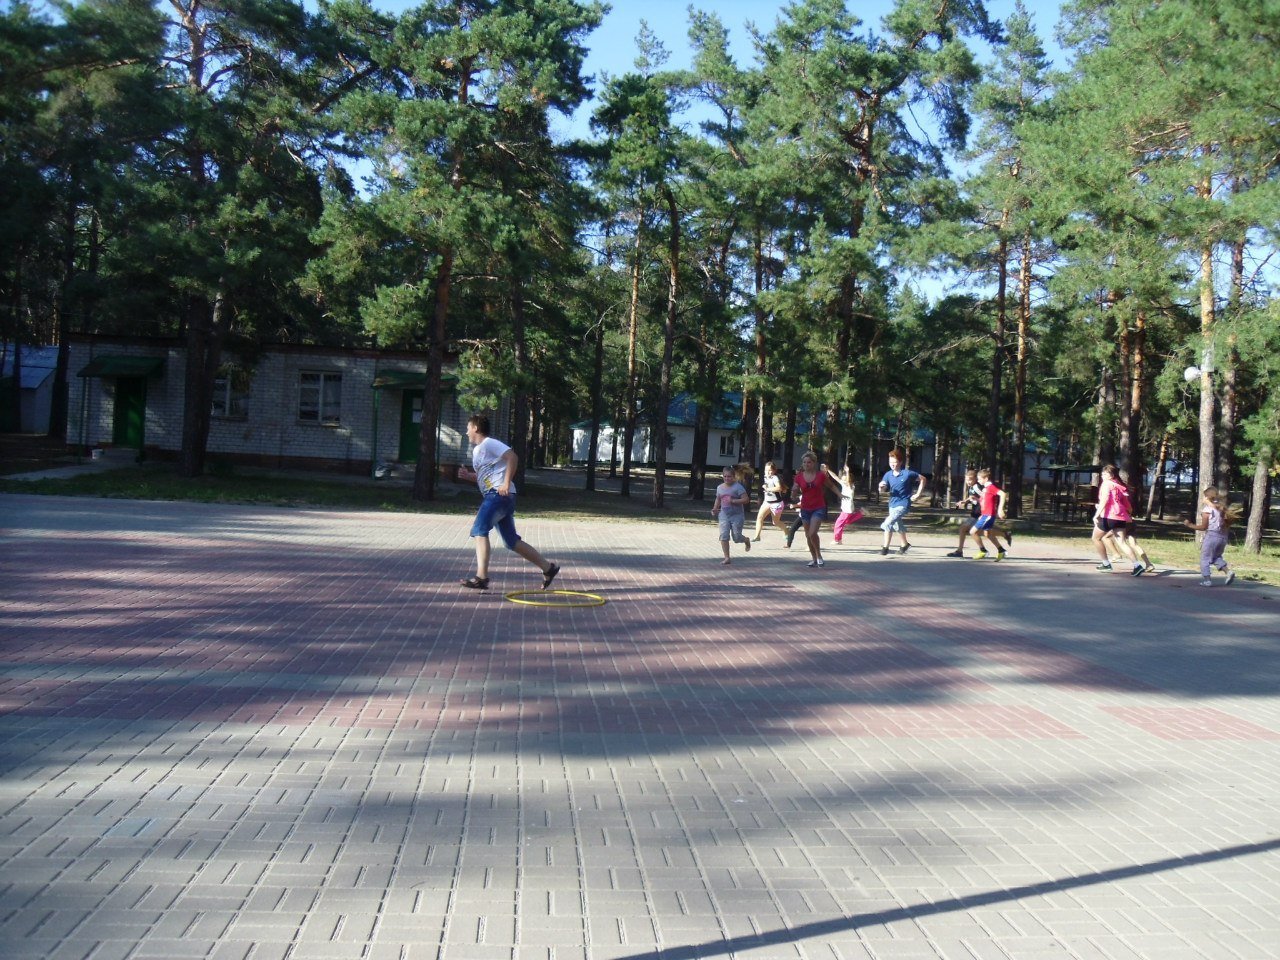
pixel 731 508
pixel 774 502
pixel 849 512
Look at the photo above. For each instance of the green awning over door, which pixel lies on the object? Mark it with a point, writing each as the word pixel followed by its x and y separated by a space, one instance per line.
pixel 121 366
pixel 409 380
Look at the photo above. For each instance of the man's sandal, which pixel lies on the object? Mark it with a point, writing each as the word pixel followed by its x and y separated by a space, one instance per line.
pixel 476 583
pixel 550 575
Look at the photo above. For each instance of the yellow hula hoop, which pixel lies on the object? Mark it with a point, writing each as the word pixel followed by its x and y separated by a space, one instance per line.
pixel 591 599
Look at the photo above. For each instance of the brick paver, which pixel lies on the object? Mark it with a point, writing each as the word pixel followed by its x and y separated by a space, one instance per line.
pixel 247 733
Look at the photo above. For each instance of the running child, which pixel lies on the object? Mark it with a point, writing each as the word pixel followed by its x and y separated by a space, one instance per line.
pixel 849 512
pixel 897 482
pixel 1214 521
pixel 991 505
pixel 971 499
pixel 1111 518
pixel 1131 533
pixel 809 488
pixel 774 503
pixel 730 506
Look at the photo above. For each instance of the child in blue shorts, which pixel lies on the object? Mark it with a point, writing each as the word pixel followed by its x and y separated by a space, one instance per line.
pixel 991 505
pixel 897 482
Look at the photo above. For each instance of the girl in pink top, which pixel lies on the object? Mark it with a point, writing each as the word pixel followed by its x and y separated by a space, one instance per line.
pixel 809 488
pixel 1111 519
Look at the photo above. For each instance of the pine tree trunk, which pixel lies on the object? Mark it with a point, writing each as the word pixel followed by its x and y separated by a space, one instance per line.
pixel 619 415
pixel 789 438
pixel 58 403
pixel 748 440
pixel 668 351
pixel 633 335
pixel 1229 404
pixel 15 382
pixel 1020 380
pixel 843 340
pixel 1124 380
pixel 519 441
pixel 15 311
pixel 941 455
pixel 424 475
pixel 597 389
pixel 702 432
pixel 997 356
pixel 1207 317
pixel 1260 500
pixel 427 470
pixel 701 444
pixel 764 427
pixel 201 366
pixel 1131 397
pixel 1161 457
pixel 1230 380
pixel 1104 450
pixel 764 440
pixel 1137 401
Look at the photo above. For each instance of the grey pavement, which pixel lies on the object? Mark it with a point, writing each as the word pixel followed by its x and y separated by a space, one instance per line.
pixel 257 733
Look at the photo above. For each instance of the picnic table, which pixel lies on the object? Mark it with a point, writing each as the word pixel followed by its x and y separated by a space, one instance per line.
pixel 1074 494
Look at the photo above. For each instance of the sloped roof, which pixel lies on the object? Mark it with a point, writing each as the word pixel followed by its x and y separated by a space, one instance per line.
pixel 683 412
pixel 38 364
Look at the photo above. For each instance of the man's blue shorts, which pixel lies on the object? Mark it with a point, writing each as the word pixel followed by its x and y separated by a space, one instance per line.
pixel 985 522
pixel 497 511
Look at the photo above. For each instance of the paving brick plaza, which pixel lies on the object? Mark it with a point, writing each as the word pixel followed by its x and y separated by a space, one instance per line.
pixel 249 733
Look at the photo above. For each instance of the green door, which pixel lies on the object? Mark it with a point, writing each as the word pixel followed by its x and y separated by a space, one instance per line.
pixel 410 425
pixel 131 412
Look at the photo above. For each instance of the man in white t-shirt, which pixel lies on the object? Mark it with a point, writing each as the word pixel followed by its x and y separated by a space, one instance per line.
pixel 495 464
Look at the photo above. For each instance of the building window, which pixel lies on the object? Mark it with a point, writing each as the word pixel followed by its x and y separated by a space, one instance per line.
pixel 320 398
pixel 231 394
pixel 726 445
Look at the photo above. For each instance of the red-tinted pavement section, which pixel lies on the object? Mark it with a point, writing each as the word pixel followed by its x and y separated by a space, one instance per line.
pixel 235 732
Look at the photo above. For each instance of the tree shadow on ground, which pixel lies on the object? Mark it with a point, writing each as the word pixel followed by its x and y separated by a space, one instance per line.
pixel 801 932
pixel 267 616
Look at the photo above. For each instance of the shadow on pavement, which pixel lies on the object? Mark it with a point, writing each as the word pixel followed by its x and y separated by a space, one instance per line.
pixel 828 927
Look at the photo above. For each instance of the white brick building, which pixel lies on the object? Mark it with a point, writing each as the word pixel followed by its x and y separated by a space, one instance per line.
pixel 290 406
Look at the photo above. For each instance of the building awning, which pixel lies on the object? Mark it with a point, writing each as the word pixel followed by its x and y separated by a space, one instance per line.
pixel 408 380
pixel 122 366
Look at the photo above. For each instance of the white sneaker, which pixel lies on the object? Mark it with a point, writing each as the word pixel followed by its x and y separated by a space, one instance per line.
pixel 1206 582
pixel 1230 577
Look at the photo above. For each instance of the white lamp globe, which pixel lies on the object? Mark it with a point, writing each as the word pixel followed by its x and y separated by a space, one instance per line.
pixel 1191 374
